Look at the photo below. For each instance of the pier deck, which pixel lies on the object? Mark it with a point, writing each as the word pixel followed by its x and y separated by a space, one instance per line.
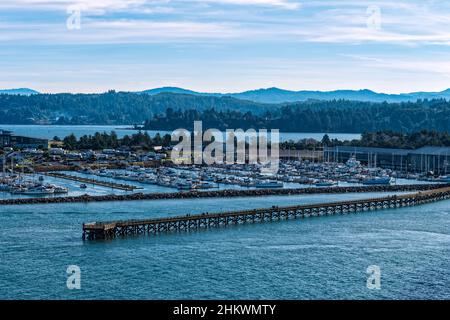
pixel 113 229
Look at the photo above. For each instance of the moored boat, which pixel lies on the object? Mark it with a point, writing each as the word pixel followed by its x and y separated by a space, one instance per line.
pixel 326 183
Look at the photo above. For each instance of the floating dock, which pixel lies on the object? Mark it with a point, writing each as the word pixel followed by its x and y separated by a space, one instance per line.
pixel 113 229
pixel 112 185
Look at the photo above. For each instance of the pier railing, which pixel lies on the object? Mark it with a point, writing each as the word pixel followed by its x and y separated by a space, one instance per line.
pixel 113 229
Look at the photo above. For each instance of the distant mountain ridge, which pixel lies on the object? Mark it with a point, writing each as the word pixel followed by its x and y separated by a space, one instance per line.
pixel 22 91
pixel 277 95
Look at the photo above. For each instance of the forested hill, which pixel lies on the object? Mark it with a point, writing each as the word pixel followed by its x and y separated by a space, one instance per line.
pixel 223 112
pixel 109 108
pixel 332 116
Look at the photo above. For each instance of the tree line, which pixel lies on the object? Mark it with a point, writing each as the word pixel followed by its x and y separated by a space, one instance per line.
pixel 317 116
pixel 380 139
pixel 106 108
pixel 104 140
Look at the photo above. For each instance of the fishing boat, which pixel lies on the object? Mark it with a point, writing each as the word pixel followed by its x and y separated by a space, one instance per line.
pixel 165 182
pixel 352 162
pixel 184 185
pixel 247 182
pixel 37 190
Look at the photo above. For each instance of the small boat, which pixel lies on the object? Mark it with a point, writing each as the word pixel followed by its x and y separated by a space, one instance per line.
pixel 326 183
pixel 83 186
pixel 443 179
pixel 60 189
pixel 204 185
pixel 184 186
pixel 148 180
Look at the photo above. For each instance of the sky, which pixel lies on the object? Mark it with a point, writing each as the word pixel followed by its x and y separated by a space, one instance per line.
pixel 224 45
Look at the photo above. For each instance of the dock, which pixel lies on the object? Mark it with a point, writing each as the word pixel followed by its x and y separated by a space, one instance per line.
pixel 114 229
pixel 112 185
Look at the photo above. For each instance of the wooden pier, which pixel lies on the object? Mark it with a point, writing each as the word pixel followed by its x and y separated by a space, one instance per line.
pixel 113 229
pixel 112 185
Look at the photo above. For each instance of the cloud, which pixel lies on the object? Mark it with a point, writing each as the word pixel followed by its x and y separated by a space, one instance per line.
pixel 120 31
pixel 411 23
pixel 274 3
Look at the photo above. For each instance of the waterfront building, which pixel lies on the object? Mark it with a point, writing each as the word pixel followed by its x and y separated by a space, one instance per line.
pixel 425 159
pixel 8 139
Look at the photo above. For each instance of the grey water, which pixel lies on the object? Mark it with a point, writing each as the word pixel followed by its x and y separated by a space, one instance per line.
pixel 314 258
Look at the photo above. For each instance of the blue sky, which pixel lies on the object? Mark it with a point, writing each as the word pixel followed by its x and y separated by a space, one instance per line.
pixel 224 45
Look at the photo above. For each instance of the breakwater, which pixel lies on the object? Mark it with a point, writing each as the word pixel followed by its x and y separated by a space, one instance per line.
pixel 113 229
pixel 112 185
pixel 229 193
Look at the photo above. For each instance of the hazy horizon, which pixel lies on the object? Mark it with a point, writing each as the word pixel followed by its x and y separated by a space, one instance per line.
pixel 217 92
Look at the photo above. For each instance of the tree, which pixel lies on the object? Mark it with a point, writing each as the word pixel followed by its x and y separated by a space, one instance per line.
pixel 326 140
pixel 70 142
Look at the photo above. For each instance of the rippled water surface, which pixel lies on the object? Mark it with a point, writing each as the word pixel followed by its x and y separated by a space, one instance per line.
pixel 312 258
